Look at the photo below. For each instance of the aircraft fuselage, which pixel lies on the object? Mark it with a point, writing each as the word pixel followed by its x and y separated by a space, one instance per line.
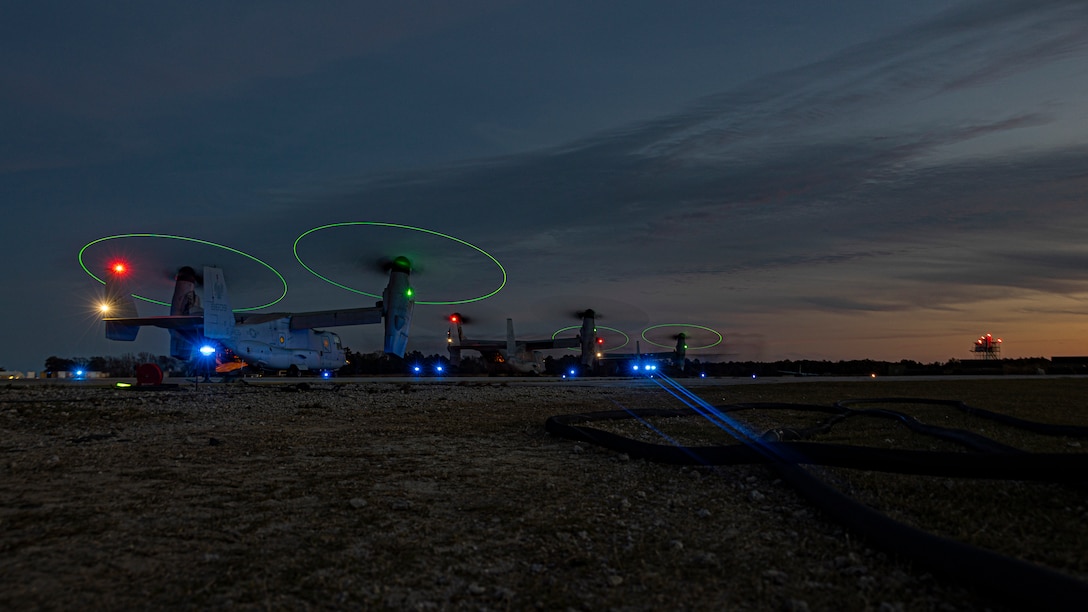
pixel 273 345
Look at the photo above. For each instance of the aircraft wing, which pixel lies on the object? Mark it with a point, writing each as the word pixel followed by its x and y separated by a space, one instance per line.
pixel 165 322
pixel 543 345
pixel 481 345
pixel 614 356
pixel 335 318
pixel 258 318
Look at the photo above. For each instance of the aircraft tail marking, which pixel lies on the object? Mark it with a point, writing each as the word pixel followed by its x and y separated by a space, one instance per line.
pixel 218 317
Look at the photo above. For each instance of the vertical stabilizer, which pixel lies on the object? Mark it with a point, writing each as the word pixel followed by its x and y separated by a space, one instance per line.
pixel 119 303
pixel 458 320
pixel 511 344
pixel 218 317
pixel 185 302
pixel 454 346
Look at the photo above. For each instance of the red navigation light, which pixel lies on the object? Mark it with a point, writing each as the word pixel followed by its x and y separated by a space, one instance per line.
pixel 118 267
pixel 600 340
pixel 454 318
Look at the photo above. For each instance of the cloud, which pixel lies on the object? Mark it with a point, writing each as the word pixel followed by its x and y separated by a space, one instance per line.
pixel 105 56
pixel 973 46
pixel 775 198
pixel 916 172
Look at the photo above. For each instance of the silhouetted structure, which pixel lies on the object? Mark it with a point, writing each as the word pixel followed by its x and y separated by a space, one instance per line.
pixel 987 348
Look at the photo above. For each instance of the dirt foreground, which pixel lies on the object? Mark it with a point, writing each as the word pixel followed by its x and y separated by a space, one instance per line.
pixel 438 496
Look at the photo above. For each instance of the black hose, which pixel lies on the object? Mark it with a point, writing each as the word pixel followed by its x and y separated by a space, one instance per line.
pixel 1013 581
pixel 1049 429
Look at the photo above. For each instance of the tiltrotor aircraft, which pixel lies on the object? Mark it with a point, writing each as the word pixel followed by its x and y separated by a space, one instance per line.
pixel 521 355
pixel 290 342
pixel 647 363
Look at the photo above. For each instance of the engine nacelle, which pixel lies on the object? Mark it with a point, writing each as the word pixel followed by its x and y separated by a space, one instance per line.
pixel 588 337
pixel 398 304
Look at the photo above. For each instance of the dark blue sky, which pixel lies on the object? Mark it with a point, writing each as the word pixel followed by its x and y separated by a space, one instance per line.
pixel 834 180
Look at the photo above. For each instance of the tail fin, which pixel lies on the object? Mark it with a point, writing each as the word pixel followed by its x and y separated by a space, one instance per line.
pixel 218 317
pixel 121 304
pixel 457 320
pixel 455 348
pixel 184 302
pixel 511 344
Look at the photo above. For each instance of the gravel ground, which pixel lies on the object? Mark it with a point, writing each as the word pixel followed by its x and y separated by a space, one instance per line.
pixel 451 496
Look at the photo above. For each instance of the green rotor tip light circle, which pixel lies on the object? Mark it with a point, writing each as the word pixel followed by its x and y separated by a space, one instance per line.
pixel 186 239
pixel 690 348
pixel 406 227
pixel 626 338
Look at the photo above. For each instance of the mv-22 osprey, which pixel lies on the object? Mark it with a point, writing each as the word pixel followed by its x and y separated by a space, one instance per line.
pixel 523 355
pixel 647 364
pixel 289 342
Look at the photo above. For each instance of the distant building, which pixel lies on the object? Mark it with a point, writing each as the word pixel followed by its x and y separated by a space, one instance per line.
pixel 1068 365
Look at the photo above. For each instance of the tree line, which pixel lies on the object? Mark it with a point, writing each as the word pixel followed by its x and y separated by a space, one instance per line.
pixel 114 366
pixel 360 364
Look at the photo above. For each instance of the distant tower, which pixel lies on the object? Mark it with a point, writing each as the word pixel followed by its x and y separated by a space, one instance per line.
pixel 987 347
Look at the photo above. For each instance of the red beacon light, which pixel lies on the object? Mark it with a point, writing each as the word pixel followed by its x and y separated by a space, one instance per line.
pixel 118 267
pixel 454 318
